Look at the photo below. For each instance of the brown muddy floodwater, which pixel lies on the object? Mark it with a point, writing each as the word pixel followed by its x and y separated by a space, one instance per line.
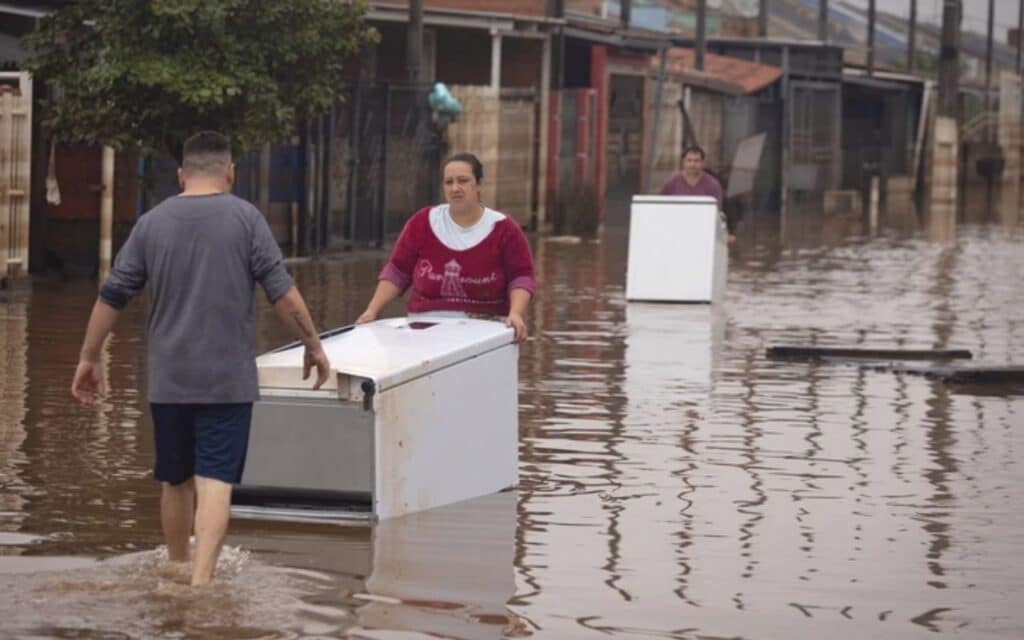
pixel 674 482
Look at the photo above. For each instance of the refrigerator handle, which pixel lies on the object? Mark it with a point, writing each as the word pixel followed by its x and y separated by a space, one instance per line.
pixel 368 390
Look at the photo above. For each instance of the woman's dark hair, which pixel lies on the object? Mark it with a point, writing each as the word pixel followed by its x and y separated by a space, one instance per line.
pixel 471 160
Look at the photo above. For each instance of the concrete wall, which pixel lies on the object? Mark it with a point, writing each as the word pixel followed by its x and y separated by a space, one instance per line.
pixel 500 128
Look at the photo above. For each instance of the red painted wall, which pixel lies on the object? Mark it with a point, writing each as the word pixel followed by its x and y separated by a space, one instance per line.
pixel 79 176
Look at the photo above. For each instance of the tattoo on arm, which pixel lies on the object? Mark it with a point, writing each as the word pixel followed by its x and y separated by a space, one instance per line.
pixel 302 325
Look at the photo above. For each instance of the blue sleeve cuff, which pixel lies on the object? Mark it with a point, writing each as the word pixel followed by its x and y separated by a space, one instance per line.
pixel 277 283
pixel 113 298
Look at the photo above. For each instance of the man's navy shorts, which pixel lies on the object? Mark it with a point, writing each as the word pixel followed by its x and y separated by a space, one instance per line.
pixel 208 440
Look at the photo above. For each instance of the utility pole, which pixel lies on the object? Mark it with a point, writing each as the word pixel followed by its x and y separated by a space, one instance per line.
pixel 626 12
pixel 762 19
pixel 427 164
pixel 1020 34
pixel 414 42
pixel 702 28
pixel 823 20
pixel 558 48
pixel 944 178
pixel 949 59
pixel 912 38
pixel 988 68
pixel 871 37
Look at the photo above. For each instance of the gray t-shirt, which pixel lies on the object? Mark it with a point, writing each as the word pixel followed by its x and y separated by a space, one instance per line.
pixel 202 256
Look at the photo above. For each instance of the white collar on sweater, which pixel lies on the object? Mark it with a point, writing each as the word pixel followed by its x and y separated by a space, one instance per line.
pixel 459 238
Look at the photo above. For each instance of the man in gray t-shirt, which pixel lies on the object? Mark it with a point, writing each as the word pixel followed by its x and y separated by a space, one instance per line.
pixel 201 252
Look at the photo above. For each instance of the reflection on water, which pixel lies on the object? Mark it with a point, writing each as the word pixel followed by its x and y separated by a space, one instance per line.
pixel 290 580
pixel 674 482
pixel 13 344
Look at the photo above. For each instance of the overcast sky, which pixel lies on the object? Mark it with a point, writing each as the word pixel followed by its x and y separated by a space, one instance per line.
pixel 975 12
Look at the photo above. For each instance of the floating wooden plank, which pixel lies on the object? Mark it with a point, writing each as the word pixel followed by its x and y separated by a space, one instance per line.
pixel 792 352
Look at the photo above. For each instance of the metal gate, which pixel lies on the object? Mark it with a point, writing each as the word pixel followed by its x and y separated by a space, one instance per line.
pixel 813 164
pixel 385 162
pixel 625 144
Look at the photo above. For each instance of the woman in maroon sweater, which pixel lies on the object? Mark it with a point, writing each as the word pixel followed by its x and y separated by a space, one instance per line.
pixel 460 258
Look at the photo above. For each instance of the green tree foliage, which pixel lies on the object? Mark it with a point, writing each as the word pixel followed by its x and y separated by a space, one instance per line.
pixel 147 75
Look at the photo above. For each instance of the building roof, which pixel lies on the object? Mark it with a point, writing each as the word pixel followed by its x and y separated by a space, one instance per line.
pixel 609 31
pixel 456 13
pixel 30 9
pixel 860 75
pixel 721 73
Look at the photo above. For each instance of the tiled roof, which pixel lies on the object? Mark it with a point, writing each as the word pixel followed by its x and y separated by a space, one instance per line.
pixel 722 73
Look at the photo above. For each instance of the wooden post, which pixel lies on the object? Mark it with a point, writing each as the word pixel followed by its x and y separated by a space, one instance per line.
pixel 545 132
pixel 949 59
pixel 414 41
pixel 495 60
pixel 787 113
pixel 265 180
pixel 106 212
pixel 302 187
pixel 8 105
pixel 873 205
pixel 294 233
pixel 989 129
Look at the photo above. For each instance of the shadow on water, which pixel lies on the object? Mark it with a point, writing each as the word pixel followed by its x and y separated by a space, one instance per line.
pixel 674 482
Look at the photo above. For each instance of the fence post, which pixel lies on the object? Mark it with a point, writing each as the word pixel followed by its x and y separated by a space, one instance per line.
pixel 106 212
pixel 382 170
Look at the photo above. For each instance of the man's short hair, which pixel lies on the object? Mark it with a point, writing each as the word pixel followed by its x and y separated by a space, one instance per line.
pixel 207 152
pixel 694 149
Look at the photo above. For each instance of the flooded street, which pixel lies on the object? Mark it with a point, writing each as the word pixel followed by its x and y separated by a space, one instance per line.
pixel 674 483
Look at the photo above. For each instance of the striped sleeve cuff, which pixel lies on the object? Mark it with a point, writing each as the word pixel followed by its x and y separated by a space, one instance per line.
pixel 113 297
pixel 526 283
pixel 277 283
pixel 392 274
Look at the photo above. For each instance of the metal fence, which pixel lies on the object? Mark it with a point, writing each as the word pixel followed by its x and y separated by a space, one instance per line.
pixel 813 165
pixel 386 160
pixel 351 177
